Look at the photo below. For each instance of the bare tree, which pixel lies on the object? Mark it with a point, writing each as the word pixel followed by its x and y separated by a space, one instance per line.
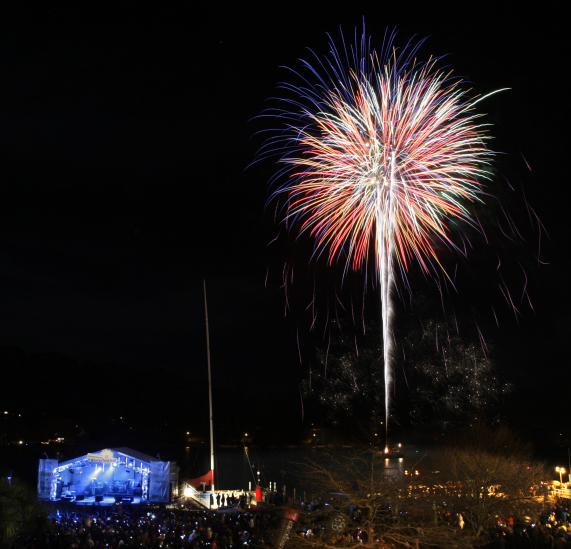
pixel 457 500
pixel 490 476
pixel 363 492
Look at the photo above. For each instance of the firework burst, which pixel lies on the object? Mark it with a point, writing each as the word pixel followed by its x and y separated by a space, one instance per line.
pixel 380 153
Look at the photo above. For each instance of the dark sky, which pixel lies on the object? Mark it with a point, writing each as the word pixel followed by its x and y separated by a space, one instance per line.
pixel 124 143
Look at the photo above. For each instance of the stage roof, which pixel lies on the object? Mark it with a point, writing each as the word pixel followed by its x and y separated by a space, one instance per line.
pixel 136 454
pixel 123 450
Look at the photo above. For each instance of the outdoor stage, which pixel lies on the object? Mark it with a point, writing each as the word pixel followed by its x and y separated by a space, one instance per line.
pixel 119 475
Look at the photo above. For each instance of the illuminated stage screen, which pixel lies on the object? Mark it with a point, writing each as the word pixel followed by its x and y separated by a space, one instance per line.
pixel 106 477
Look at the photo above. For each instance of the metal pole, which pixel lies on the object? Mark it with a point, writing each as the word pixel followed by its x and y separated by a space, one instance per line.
pixel 209 386
pixel 372 470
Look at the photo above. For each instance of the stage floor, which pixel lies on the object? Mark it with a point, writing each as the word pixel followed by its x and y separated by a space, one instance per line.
pixel 106 501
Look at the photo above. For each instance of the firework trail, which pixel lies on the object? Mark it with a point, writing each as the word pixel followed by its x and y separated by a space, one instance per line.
pixel 380 153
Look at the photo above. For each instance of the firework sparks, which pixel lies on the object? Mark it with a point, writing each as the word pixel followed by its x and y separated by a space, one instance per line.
pixel 382 153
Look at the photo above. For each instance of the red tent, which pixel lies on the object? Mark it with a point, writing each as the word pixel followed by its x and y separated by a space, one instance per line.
pixel 207 478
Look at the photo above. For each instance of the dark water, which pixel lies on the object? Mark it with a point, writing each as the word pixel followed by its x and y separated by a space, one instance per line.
pixel 288 466
pixel 235 466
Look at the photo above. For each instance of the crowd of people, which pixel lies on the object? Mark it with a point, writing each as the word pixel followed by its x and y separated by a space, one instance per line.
pixel 551 531
pixel 125 528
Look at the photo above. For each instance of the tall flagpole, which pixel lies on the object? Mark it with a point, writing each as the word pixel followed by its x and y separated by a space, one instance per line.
pixel 209 387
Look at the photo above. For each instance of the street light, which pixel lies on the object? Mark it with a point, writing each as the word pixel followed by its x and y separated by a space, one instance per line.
pixel 561 471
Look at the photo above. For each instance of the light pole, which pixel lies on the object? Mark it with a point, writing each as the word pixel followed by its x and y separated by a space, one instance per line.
pixel 561 471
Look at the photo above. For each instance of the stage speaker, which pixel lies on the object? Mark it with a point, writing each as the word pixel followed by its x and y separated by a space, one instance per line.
pixel 79 498
pixel 98 499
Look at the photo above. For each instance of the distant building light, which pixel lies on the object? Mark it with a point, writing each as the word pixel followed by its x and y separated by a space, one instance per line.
pixel 20 442
pixel 5 412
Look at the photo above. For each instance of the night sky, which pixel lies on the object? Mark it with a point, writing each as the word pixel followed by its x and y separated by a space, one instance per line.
pixel 125 145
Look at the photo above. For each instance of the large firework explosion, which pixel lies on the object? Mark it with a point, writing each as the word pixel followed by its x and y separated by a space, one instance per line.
pixel 379 153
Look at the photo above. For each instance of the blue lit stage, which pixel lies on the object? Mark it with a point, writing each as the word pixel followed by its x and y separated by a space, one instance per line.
pixel 118 475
